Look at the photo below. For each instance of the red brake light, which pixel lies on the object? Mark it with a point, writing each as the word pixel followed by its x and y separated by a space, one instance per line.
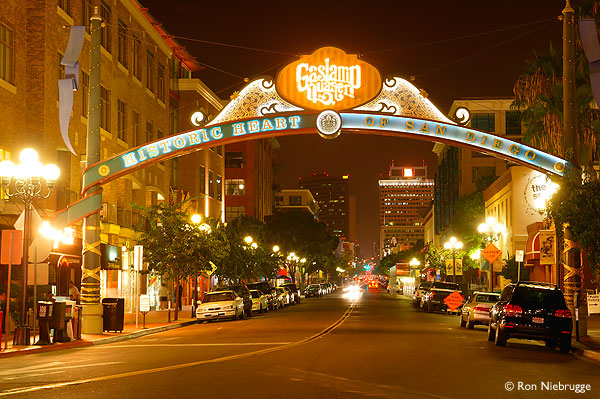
pixel 513 310
pixel 563 313
pixel 479 308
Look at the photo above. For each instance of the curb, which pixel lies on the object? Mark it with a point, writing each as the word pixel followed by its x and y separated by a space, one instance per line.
pixel 102 341
pixel 141 333
pixel 587 353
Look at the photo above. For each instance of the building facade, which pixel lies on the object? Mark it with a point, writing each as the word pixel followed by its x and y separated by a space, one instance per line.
pixel 296 199
pixel 403 198
pixel 145 94
pixel 249 178
pixel 337 208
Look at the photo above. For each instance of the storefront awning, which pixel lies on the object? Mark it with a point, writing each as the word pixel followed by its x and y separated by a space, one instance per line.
pixel 532 249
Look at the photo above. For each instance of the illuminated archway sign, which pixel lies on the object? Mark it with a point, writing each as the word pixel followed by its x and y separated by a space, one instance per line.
pixel 327 92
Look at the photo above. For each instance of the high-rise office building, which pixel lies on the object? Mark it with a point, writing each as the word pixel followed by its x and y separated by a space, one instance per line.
pixel 403 198
pixel 332 194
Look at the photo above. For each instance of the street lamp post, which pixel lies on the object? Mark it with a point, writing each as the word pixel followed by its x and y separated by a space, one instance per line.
pixel 26 181
pixel 492 231
pixel 453 245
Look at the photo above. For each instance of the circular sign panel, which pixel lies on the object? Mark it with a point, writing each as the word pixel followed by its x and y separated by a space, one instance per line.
pixel 329 124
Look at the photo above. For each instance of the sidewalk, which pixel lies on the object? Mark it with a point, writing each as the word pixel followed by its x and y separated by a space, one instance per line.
pixel 156 321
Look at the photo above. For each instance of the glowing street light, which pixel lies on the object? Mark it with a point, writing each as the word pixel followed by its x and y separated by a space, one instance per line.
pixel 248 240
pixel 26 181
pixel 491 229
pixel 453 245
pixel 276 248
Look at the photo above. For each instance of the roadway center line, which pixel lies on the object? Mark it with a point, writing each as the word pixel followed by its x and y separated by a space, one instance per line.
pixel 320 334
pixel 189 345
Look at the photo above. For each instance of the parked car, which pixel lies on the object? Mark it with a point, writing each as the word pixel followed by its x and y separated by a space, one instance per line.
pixel 260 302
pixel 477 309
pixel 294 290
pixel 220 305
pixel 434 297
pixel 421 289
pixel 531 310
pixel 266 289
pixel 313 290
pixel 283 296
pixel 243 292
pixel 324 288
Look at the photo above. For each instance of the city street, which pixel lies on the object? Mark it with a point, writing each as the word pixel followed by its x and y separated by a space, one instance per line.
pixel 322 348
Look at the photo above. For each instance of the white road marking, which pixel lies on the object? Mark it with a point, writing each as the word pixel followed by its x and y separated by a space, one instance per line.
pixel 46 369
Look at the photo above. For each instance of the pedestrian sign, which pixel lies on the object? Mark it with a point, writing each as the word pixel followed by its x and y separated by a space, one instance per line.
pixel 491 253
pixel 454 300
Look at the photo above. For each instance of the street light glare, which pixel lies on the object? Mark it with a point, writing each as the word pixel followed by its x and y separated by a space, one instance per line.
pixel 248 239
pixel 6 168
pixel 51 172
pixel 491 221
pixel 275 248
pixel 196 218
pixel 28 155
pixel 483 228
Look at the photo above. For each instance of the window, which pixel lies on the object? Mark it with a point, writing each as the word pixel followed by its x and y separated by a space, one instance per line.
pixel 105 108
pixel 159 134
pixel 105 14
pixel 135 62
pixel 7 54
pixel 219 188
pixel 150 71
pixel 175 173
pixel 211 187
pixel 173 116
pixel 220 150
pixel 513 123
pixel 5 155
pixel 84 83
pixel 137 132
pixel 202 182
pixel 233 212
pixel 234 159
pixel 295 200
pixel 485 122
pixel 122 44
pixel 86 12
pixel 64 4
pixel 121 120
pixel 235 187
pixel 160 85
pixel 149 131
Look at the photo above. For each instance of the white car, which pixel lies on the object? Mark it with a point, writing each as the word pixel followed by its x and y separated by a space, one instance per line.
pixel 283 296
pixel 260 301
pixel 220 305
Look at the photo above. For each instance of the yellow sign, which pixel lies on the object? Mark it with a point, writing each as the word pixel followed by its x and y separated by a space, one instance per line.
pixel 329 79
pixel 452 266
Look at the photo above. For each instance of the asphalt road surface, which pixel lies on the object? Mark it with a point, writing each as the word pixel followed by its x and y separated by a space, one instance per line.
pixel 378 346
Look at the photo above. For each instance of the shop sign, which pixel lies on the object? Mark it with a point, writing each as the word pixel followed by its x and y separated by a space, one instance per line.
pixel 328 79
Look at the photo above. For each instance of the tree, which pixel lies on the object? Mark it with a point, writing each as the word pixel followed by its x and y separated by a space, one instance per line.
pixel 299 232
pixel 247 260
pixel 510 270
pixel 173 247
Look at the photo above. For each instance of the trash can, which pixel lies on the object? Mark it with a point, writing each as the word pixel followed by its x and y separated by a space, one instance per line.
pixel 44 315
pixel 113 314
pixel 58 322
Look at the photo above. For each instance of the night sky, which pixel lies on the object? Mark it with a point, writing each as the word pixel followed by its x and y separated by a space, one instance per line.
pixel 454 49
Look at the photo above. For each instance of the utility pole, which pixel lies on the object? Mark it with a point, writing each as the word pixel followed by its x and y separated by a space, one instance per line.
pixel 572 267
pixel 91 322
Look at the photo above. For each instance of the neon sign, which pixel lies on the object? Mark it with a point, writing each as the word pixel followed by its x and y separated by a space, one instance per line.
pixel 328 79
pixel 326 83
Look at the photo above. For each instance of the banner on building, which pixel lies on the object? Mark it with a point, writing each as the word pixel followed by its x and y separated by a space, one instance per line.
pixel 547 247
pixel 458 267
pixel 449 268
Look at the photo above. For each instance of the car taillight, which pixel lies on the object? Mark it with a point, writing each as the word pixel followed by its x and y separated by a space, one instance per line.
pixel 566 313
pixel 479 308
pixel 513 310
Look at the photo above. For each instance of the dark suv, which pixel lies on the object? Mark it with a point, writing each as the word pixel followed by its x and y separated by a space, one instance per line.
pixel 244 293
pixel 531 310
